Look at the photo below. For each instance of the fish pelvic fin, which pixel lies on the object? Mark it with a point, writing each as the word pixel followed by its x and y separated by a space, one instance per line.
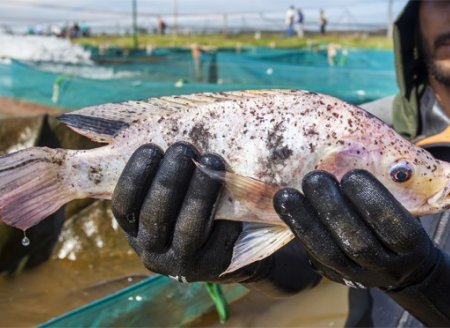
pixel 256 196
pixel 256 242
pixel 32 186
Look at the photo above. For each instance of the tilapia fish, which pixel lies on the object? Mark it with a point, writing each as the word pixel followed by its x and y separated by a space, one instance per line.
pixel 269 139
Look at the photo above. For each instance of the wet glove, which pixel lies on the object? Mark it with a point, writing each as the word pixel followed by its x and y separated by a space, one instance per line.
pixel 356 232
pixel 165 205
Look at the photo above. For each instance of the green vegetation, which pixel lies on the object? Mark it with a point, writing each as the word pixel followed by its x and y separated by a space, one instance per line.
pixel 356 40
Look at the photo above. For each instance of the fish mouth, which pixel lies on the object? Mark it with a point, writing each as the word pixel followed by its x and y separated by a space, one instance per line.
pixel 441 200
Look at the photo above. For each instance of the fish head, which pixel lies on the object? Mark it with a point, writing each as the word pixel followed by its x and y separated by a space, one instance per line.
pixel 418 180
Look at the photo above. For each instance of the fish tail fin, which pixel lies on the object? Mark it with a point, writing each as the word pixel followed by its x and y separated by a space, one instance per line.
pixel 256 242
pixel 33 186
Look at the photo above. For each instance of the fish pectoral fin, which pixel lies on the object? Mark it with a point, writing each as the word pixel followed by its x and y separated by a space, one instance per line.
pixel 256 242
pixel 338 162
pixel 255 195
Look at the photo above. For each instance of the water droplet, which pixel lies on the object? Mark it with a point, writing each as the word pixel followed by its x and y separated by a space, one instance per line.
pixel 25 240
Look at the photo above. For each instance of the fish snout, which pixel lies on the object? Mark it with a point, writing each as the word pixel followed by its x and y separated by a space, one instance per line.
pixel 447 196
pixel 441 200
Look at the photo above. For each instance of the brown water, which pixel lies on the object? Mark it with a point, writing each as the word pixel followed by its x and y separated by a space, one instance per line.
pixel 62 285
pixel 325 305
pixel 92 259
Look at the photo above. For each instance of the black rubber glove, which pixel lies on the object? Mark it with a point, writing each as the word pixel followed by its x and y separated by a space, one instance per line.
pixel 356 233
pixel 165 205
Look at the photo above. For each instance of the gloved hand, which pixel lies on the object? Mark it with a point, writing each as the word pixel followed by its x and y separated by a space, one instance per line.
pixel 165 205
pixel 356 232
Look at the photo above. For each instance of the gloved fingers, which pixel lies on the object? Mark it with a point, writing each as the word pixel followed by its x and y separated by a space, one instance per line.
pixel 196 215
pixel 348 229
pixel 133 185
pixel 300 216
pixel 162 263
pixel 165 197
pixel 218 249
pixel 388 219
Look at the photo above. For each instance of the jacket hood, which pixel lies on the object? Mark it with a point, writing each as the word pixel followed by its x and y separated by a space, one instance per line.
pixel 410 71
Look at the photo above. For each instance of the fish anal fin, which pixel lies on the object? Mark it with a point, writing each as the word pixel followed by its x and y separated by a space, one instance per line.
pixel 256 242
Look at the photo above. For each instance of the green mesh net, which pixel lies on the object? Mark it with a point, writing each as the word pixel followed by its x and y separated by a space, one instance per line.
pixel 356 76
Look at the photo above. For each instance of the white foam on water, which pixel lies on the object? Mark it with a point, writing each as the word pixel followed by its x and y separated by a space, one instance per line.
pixel 90 71
pixel 42 48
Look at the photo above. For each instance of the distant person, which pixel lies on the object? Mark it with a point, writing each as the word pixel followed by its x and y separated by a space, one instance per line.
pixel 75 30
pixel 162 26
pixel 290 18
pixel 299 19
pixel 323 22
pixel 332 51
pixel 196 52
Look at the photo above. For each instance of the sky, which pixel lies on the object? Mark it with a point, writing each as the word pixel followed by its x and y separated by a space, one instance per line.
pixel 257 14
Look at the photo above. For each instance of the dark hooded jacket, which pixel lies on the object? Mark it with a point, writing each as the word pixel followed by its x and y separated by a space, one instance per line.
pixel 411 74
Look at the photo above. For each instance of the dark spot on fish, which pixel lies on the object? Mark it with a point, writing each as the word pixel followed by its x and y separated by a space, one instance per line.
pixel 280 154
pixel 95 175
pixel 200 135
pixel 311 131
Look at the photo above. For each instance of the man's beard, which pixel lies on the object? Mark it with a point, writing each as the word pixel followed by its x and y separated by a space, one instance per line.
pixel 434 69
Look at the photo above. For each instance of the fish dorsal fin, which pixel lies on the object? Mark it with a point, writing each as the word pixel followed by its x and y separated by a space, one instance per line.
pixel 256 242
pixel 101 123
pixel 201 99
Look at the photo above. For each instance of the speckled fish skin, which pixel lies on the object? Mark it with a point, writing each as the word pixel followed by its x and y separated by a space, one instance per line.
pixel 273 136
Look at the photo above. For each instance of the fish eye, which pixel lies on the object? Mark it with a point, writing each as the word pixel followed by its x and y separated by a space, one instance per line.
pixel 401 171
